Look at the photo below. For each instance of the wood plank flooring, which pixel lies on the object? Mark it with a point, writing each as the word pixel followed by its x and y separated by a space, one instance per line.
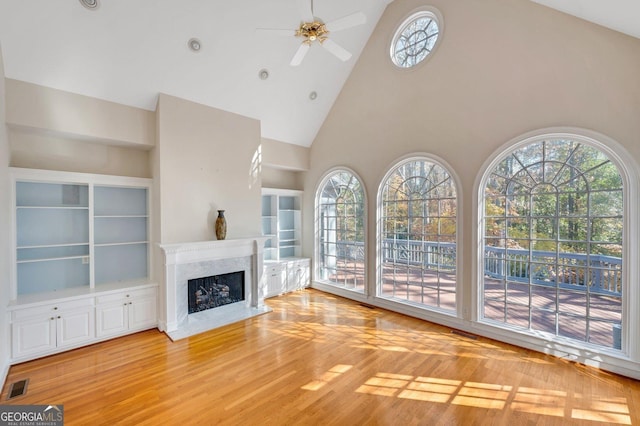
pixel 319 359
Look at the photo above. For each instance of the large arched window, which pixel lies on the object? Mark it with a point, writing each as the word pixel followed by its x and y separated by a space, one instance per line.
pixel 552 241
pixel 417 235
pixel 340 230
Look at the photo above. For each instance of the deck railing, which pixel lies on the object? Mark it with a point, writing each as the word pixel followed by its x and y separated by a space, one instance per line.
pixel 599 273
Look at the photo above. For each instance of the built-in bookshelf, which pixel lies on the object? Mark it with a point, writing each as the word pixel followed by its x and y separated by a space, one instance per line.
pixel 78 230
pixel 281 223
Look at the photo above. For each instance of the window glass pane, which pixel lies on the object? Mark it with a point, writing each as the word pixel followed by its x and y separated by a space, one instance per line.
pixel 556 241
pixel 340 241
pixel 418 236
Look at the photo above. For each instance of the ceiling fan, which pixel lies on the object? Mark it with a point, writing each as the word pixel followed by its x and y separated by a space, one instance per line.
pixel 313 30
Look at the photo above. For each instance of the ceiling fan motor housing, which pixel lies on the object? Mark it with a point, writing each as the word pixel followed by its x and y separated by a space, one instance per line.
pixel 312 31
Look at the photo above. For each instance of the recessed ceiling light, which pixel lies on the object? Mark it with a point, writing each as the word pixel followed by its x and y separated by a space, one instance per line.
pixel 263 74
pixel 90 4
pixel 313 95
pixel 194 44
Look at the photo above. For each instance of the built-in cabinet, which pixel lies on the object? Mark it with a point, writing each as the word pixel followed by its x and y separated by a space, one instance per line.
pixel 81 247
pixel 46 328
pixel 281 223
pixel 126 311
pixel 286 275
pixel 284 269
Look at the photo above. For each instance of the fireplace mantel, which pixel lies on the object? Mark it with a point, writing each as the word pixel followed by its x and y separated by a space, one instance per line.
pixel 184 261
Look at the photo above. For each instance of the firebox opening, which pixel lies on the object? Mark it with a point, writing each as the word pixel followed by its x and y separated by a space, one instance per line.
pixel 217 290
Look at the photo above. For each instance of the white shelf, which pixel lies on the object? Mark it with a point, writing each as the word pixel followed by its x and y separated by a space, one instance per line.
pixel 128 243
pixel 52 207
pixel 52 246
pixel 120 216
pixel 51 259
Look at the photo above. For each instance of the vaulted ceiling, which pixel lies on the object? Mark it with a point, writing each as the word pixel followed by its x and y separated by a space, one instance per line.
pixel 129 51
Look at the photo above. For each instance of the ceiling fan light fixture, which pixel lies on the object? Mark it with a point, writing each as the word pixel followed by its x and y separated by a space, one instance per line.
pixel 312 31
pixel 90 4
pixel 194 44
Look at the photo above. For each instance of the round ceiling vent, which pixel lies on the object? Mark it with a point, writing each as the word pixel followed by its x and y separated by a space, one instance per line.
pixel 90 4
pixel 194 44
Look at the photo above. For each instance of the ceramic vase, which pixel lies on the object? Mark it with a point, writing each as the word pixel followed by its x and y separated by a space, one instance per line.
pixel 221 226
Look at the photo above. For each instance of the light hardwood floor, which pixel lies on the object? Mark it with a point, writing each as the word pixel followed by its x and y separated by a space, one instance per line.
pixel 322 360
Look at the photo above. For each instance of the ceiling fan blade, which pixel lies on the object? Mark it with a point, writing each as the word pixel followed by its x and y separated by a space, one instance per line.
pixel 306 10
pixel 275 32
pixel 300 54
pixel 345 22
pixel 336 49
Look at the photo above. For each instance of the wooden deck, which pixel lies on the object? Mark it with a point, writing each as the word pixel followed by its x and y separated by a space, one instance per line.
pixel 323 360
pixel 416 286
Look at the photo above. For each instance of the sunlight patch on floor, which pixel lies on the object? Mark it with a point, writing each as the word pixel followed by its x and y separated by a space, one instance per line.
pixel 547 402
pixel 329 375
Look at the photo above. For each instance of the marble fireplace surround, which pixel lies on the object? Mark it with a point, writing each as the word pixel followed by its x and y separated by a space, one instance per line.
pixel 185 261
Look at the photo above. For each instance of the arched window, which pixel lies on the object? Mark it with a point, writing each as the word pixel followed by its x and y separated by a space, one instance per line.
pixel 417 235
pixel 553 241
pixel 340 230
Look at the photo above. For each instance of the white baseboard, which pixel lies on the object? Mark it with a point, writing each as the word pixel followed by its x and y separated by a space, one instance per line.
pixel 4 372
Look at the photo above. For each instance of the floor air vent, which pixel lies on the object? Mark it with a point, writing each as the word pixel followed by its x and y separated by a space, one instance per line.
pixel 18 388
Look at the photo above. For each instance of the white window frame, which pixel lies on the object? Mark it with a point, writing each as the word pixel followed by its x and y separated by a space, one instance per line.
pixel 432 13
pixel 324 284
pixel 459 311
pixel 581 351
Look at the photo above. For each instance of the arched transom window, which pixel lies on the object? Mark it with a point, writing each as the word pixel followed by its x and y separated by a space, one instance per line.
pixel 552 242
pixel 340 230
pixel 417 235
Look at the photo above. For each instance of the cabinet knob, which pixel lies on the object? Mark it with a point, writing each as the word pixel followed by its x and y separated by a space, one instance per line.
pixel 52 318
pixel 58 316
pixel 125 304
pixel 127 295
pixel 55 308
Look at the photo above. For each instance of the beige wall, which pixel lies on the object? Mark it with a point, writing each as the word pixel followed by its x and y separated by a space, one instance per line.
pixel 283 164
pixel 282 179
pixel 503 68
pixel 5 230
pixel 77 116
pixel 206 160
pixel 39 150
pixel 285 156
pixel 55 130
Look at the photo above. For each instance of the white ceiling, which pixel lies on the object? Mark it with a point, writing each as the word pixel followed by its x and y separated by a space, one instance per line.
pixel 619 15
pixel 128 51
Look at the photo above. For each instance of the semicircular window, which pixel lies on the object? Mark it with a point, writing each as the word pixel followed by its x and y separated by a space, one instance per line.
pixel 414 40
pixel 552 256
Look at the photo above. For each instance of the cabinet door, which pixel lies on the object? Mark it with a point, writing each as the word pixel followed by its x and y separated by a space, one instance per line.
pixel 112 319
pixel 142 313
pixel 276 280
pixel 297 275
pixel 76 327
pixel 33 336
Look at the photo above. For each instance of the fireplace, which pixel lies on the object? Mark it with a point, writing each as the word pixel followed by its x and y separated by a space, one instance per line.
pixel 206 260
pixel 214 291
